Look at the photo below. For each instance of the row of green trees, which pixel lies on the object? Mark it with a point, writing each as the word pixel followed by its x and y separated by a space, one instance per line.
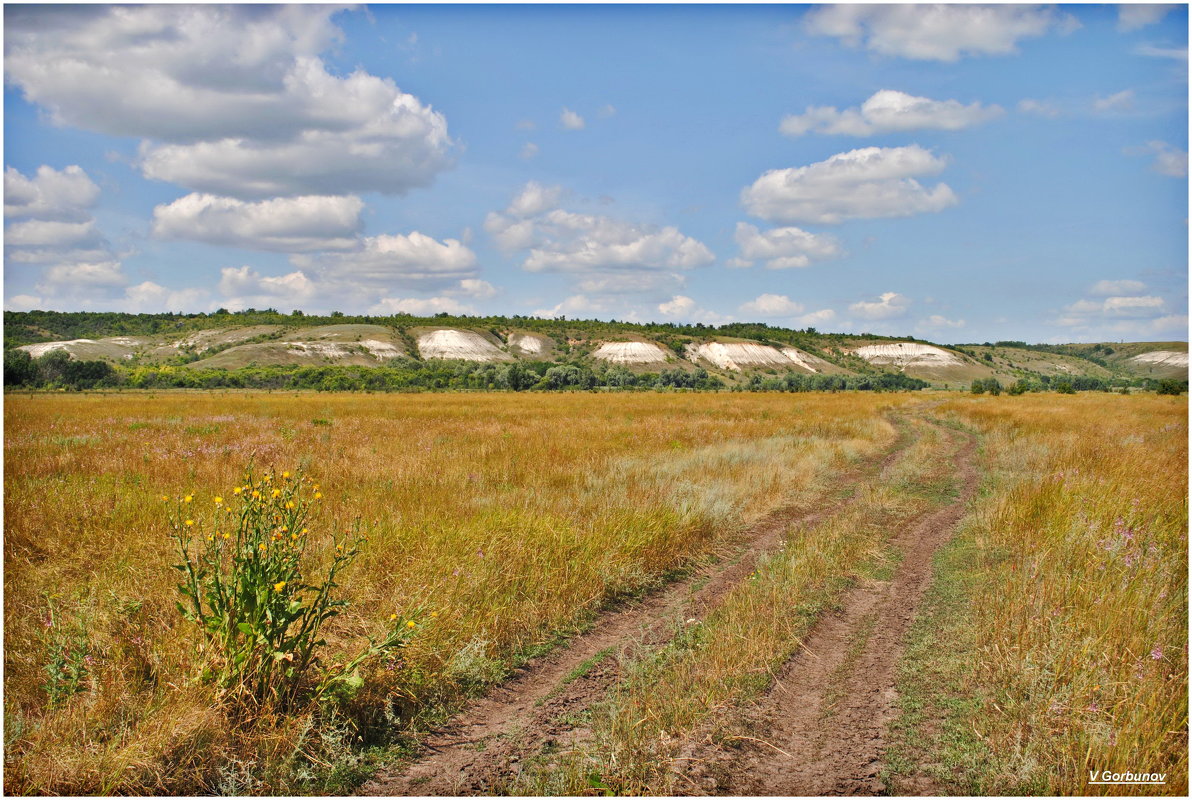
pixel 1079 383
pixel 57 369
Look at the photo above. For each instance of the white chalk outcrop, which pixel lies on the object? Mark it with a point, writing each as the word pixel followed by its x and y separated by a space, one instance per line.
pixel 461 345
pixel 41 348
pixel 1164 358
pixel 630 353
pixel 119 347
pixel 529 344
pixel 737 356
pixel 908 354
pixel 381 351
pixel 804 360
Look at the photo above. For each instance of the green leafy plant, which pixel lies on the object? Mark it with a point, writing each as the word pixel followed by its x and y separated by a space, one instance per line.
pixel 68 655
pixel 245 584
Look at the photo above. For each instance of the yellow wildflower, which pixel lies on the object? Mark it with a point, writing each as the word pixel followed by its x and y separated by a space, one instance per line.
pixel 289 504
pixel 165 497
pixel 237 490
pixel 305 531
pixel 218 500
pixel 410 624
pixel 188 498
pixel 286 475
pixel 226 535
pixel 190 522
pixel 392 617
pixel 277 587
pixel 434 613
pixel 256 495
pixel 276 493
pixel 318 495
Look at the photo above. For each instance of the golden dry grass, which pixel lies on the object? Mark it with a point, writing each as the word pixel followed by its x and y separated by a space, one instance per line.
pixel 732 655
pixel 515 517
pixel 1082 619
pixel 512 517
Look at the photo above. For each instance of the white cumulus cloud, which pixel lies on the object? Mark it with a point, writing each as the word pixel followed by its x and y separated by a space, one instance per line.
pixel 392 260
pixel 283 224
pixel 1123 287
pixel 677 306
pixel 23 302
pixel 244 287
pixel 888 306
pixel 936 32
pixel 558 240
pixel 149 297
pixel 938 322
pixel 570 120
pixel 65 195
pixel 783 248
pixel 232 100
pixel 815 318
pixel 481 290
pixel 49 226
pixel 1169 160
pixel 51 233
pixel 67 277
pixel 889 110
pixel 771 305
pixel 1120 309
pixel 573 306
pixel 1132 16
pixel 421 307
pixel 867 183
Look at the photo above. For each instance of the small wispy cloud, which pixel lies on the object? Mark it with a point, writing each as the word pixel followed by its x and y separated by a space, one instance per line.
pixel 570 120
pixel 1119 101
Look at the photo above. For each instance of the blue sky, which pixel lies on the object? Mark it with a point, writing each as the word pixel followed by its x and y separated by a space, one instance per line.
pixel 957 173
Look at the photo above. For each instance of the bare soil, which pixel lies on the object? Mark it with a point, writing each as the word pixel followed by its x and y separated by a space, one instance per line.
pixel 543 704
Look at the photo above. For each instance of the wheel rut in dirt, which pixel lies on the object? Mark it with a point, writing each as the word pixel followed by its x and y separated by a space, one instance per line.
pixel 821 727
pixel 484 744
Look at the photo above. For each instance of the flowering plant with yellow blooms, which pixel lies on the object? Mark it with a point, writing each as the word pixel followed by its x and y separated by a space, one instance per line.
pixel 246 558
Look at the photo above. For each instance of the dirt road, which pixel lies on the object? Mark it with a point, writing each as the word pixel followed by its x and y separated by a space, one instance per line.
pixel 817 731
pixel 820 730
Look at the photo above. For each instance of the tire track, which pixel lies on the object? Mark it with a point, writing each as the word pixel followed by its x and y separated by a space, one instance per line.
pixel 485 743
pixel 820 729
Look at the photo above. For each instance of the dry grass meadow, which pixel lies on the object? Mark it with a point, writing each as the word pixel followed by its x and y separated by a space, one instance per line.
pixel 506 522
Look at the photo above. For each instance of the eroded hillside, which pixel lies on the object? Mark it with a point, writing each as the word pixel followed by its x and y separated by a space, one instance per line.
pixel 734 354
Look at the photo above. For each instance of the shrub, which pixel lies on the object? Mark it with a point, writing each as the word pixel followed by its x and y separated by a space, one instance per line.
pixel 245 585
pixel 1169 386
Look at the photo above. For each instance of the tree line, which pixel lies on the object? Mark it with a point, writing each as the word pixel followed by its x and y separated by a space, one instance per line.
pixel 57 370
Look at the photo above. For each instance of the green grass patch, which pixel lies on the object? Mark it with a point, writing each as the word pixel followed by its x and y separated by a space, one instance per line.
pixel 934 747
